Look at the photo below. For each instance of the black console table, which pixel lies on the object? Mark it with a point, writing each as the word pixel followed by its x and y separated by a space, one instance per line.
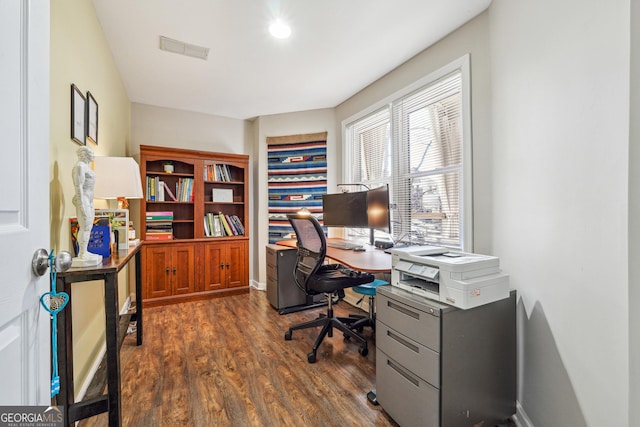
pixel 107 271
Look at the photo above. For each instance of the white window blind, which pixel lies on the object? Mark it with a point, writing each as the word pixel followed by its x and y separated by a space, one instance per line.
pixel 371 148
pixel 416 143
pixel 428 124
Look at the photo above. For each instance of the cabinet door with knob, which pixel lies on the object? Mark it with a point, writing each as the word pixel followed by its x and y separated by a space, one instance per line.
pixel 225 265
pixel 168 270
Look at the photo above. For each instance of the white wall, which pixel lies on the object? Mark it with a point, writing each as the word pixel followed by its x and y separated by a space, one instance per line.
pixel 167 127
pixel 85 60
pixel 282 125
pixel 634 215
pixel 560 78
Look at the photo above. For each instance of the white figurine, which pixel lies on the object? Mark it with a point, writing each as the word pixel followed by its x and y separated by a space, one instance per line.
pixel 84 180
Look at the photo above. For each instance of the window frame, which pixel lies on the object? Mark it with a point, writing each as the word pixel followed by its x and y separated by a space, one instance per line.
pixel 466 182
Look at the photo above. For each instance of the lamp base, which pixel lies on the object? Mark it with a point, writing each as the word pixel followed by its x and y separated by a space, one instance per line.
pixel 123 203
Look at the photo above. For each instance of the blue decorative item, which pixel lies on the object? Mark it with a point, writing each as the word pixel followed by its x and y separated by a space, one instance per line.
pixel 54 302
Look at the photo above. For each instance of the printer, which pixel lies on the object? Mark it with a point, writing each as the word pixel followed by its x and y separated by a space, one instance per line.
pixel 463 280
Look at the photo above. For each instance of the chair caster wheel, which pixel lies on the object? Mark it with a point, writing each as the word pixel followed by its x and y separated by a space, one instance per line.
pixel 287 336
pixel 363 351
pixel 311 357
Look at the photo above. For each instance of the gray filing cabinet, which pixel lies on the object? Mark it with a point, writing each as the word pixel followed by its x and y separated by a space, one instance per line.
pixel 282 291
pixel 437 365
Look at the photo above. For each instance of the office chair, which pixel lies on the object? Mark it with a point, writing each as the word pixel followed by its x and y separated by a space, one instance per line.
pixel 314 277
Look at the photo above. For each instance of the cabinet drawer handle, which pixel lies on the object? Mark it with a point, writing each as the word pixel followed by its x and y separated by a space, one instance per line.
pixel 402 341
pixel 403 372
pixel 174 270
pixel 166 270
pixel 227 266
pixel 222 266
pixel 403 310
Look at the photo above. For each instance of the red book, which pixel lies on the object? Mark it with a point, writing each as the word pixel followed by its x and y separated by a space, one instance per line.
pixel 159 236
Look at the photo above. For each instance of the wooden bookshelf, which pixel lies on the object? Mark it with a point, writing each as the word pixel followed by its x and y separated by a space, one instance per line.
pixel 183 258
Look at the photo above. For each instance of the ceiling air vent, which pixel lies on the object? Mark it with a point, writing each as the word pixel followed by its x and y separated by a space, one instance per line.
pixel 176 46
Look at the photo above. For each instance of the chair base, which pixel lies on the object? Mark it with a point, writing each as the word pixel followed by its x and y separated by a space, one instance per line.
pixel 328 322
pixel 357 323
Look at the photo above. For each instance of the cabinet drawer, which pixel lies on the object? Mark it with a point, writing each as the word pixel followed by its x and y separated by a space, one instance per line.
pixel 272 272
pixel 272 262
pixel 418 325
pixel 409 400
pixel 418 359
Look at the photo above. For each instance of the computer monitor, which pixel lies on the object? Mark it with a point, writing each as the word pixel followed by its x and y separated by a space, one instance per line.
pixel 359 209
pixel 378 209
pixel 345 210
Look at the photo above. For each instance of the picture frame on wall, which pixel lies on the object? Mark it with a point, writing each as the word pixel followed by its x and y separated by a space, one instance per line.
pixel 92 118
pixel 78 116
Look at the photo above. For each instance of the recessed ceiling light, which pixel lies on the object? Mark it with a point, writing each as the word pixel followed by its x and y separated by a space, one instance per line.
pixel 182 48
pixel 280 29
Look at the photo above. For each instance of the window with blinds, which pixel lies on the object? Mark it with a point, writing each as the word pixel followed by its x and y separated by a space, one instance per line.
pixel 417 143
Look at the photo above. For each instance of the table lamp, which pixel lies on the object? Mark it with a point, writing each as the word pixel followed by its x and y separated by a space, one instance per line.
pixel 117 178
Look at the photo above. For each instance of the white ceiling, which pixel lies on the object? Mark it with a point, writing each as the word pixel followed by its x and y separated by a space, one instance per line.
pixel 337 47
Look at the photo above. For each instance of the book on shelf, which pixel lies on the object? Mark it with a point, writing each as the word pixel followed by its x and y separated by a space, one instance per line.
pixel 226 173
pixel 234 230
pixel 207 227
pixel 217 172
pixel 184 190
pixel 151 188
pixel 159 216
pixel 238 224
pixel 159 226
pixel 217 226
pixel 212 225
pixel 168 192
pixel 229 225
pixel 160 190
pixel 225 224
pixel 159 236
pixel 155 189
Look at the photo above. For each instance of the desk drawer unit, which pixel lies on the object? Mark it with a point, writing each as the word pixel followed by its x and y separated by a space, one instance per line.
pixel 439 366
pixel 418 359
pixel 282 291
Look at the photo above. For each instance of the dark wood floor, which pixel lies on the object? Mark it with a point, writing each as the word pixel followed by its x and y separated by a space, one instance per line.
pixel 224 362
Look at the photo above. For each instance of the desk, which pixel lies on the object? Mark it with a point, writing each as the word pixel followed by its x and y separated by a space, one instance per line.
pixel 372 260
pixel 108 272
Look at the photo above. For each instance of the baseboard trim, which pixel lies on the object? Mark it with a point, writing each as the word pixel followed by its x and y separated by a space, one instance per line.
pixel 520 418
pixel 253 284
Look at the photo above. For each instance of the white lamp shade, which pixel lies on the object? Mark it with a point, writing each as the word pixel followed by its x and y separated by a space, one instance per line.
pixel 117 177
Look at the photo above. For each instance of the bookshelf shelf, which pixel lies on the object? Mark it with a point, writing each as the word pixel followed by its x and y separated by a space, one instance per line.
pixel 184 239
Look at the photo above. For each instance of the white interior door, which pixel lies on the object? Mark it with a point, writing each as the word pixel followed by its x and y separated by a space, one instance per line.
pixel 24 203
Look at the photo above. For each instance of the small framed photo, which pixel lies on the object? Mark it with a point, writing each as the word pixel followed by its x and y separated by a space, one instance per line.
pixel 92 118
pixel 118 220
pixel 78 129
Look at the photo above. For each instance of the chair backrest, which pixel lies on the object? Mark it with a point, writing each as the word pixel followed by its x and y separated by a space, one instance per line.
pixel 312 247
